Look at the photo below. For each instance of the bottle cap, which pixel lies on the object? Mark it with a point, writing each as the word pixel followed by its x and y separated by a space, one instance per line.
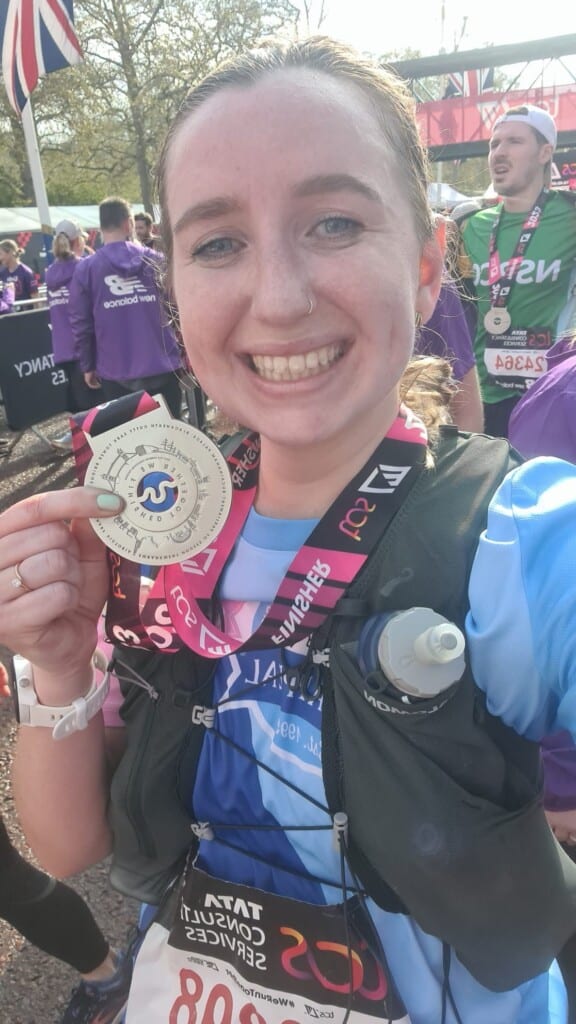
pixel 421 652
pixel 439 645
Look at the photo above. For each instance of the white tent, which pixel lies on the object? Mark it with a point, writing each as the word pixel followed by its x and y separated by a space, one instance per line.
pixel 14 219
pixel 443 196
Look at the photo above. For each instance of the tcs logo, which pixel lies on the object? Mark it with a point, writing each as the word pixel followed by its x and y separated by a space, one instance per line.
pixel 124 285
pixel 157 492
pixel 359 970
pixel 356 517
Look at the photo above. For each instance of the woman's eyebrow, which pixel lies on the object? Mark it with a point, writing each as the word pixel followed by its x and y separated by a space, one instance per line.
pixel 336 183
pixel 219 206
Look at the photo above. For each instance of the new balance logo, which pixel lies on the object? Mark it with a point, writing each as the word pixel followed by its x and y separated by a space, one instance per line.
pixel 384 479
pixel 124 285
pixel 58 296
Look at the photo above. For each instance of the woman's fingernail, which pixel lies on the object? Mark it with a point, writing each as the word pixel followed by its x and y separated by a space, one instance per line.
pixel 109 502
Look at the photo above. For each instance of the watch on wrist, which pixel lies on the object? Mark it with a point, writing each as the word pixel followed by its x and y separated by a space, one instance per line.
pixel 62 720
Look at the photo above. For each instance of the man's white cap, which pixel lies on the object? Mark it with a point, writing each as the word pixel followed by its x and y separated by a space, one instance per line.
pixel 465 209
pixel 69 228
pixel 536 117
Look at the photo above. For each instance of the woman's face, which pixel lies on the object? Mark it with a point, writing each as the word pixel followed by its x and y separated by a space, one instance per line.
pixel 280 195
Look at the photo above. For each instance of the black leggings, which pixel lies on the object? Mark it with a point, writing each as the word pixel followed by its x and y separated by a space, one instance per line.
pixel 48 913
pixel 497 416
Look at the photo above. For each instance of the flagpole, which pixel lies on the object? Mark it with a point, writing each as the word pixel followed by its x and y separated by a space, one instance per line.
pixel 38 183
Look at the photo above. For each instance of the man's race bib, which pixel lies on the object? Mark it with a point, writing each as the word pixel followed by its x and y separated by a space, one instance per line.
pixel 237 955
pixel 515 359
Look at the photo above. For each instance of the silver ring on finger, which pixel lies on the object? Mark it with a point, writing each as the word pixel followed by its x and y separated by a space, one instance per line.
pixel 17 582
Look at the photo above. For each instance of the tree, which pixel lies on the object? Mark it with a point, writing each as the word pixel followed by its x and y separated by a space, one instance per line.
pixel 314 12
pixel 100 125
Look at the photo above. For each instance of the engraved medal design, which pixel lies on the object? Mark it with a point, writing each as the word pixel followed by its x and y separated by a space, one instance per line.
pixel 497 320
pixel 175 482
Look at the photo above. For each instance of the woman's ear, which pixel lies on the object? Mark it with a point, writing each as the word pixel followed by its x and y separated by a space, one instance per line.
pixel 431 268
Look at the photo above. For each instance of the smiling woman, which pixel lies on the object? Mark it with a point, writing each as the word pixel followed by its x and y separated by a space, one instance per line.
pixel 359 795
pixel 260 240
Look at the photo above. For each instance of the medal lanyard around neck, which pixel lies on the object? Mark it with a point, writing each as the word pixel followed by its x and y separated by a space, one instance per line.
pixel 325 565
pixel 501 283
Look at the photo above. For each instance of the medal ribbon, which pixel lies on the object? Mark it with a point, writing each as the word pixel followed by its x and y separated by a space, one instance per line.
pixel 501 284
pixel 122 606
pixel 325 565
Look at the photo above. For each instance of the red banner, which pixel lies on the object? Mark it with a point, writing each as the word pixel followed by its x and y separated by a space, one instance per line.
pixel 564 170
pixel 471 118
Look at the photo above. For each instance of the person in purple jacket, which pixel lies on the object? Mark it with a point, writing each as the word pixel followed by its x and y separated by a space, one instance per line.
pixel 446 334
pixel 67 248
pixel 123 340
pixel 13 271
pixel 6 297
pixel 544 420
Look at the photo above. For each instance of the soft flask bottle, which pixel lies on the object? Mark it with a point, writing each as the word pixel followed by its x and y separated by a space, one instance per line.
pixel 419 651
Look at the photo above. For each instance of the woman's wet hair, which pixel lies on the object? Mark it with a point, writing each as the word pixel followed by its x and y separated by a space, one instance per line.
pixel 391 102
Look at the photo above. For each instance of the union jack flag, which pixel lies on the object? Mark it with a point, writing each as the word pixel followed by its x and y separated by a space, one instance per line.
pixel 469 83
pixel 37 37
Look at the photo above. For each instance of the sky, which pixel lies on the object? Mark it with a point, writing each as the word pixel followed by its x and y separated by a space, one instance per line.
pixel 378 26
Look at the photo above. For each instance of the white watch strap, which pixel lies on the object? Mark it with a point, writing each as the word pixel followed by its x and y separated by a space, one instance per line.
pixel 62 720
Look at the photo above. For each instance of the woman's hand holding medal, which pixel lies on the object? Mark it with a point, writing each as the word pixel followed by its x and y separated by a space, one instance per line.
pixel 53 577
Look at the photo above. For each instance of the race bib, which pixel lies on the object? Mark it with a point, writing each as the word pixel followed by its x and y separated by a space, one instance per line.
pixel 515 359
pixel 237 955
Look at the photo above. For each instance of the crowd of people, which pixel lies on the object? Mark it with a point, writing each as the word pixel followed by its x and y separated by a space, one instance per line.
pixel 324 781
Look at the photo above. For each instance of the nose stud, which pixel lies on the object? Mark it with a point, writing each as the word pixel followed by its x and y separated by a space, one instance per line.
pixel 310 306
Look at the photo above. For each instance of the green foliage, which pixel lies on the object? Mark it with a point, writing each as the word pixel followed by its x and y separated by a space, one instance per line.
pixel 100 125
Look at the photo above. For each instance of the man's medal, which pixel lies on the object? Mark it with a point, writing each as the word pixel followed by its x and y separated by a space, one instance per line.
pixel 497 320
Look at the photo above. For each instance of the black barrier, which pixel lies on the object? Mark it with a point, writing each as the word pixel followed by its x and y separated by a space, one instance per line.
pixel 33 387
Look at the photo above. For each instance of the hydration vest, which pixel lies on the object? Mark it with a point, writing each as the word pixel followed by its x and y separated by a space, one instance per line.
pixel 444 805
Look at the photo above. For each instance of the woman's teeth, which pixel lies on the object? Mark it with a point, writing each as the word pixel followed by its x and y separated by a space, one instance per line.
pixel 277 368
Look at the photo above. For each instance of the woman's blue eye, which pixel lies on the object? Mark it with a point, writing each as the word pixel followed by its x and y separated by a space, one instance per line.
pixel 337 227
pixel 217 248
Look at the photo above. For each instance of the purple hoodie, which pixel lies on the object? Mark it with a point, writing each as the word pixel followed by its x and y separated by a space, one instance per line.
pixel 544 420
pixel 117 316
pixel 23 280
pixel 6 298
pixel 447 334
pixel 58 278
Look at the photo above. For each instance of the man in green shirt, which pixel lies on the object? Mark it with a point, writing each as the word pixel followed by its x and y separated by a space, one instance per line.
pixel 519 256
